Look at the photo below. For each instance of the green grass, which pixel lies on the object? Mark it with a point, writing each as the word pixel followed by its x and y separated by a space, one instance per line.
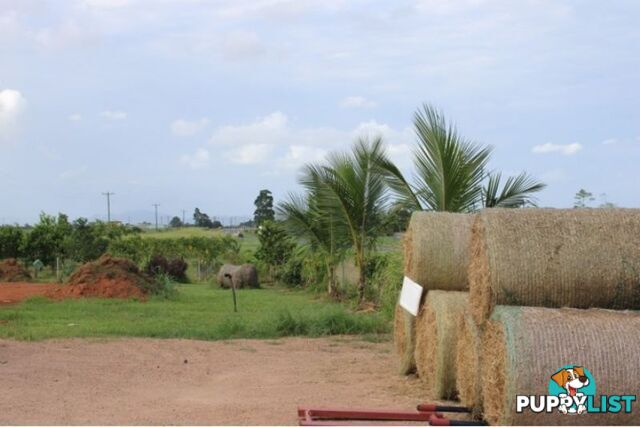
pixel 174 233
pixel 196 312
pixel 248 242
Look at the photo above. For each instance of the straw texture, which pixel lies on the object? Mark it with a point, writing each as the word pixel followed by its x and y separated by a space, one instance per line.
pixel 436 339
pixel 467 369
pixel 524 346
pixel 436 250
pixel 555 257
pixel 404 340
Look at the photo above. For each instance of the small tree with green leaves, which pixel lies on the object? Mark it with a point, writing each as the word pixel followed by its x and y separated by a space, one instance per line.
pixel 582 199
pixel 275 246
pixel 175 222
pixel 10 241
pixel 264 207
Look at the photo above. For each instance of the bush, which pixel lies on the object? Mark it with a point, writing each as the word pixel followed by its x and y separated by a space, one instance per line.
pixel 292 272
pixel 176 268
pixel 10 241
pixel 331 321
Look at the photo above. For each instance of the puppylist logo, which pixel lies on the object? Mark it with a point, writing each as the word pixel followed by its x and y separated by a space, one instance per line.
pixel 572 391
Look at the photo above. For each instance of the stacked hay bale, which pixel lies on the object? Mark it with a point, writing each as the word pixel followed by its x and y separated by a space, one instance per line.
pixel 578 258
pixel 436 257
pixel 467 363
pixel 525 346
pixel 510 333
pixel 436 339
pixel 526 259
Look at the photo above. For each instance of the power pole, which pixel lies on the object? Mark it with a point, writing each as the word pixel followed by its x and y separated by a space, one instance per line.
pixel 108 194
pixel 155 205
pixel 183 212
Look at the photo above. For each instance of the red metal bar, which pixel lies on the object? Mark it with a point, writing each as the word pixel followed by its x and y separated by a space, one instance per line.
pixel 430 407
pixel 332 417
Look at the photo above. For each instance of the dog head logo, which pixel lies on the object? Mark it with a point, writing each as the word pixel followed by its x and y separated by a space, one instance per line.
pixel 572 384
pixel 571 379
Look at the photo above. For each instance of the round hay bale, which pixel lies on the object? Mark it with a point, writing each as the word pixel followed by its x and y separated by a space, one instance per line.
pixel 225 274
pixel 578 258
pixel 468 350
pixel 436 339
pixel 404 340
pixel 436 250
pixel 246 276
pixel 523 347
pixel 242 276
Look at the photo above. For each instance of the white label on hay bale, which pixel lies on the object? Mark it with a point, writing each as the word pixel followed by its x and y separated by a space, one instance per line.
pixel 410 296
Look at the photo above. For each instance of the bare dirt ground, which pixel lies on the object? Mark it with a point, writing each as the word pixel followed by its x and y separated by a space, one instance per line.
pixel 149 381
pixel 14 292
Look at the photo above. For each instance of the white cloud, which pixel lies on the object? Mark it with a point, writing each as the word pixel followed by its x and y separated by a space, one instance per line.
pixel 12 105
pixel 298 155
pixel 357 102
pixel 610 141
pixel 114 115
pixel 565 149
pixel 272 137
pixel 75 117
pixel 250 154
pixel 183 127
pixel 242 45
pixel 269 129
pixel 195 161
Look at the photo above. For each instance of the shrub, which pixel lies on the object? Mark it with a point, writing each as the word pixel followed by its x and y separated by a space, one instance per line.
pixel 176 268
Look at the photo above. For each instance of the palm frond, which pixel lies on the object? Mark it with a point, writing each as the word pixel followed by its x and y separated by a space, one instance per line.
pixel 449 168
pixel 516 193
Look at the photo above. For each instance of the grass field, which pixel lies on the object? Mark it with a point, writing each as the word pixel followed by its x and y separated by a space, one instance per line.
pixel 197 311
pixel 248 242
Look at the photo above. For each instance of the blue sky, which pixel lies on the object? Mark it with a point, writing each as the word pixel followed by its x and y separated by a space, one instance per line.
pixel 203 103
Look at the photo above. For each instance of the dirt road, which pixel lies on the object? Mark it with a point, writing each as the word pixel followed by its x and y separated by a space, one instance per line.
pixel 148 381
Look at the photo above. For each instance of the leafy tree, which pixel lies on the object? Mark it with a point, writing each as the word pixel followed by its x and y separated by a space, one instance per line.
pixel 396 219
pixel 216 224
pixel 46 240
pixel 87 241
pixel 201 219
pixel 264 207
pixel 175 222
pixel 275 246
pixel 450 172
pixel 354 193
pixel 10 241
pixel 582 199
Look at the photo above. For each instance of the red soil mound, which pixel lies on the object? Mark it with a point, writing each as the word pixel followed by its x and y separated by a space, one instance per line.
pixel 107 277
pixel 12 271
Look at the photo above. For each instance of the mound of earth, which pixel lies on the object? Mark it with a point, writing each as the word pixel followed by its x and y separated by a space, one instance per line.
pixel 12 271
pixel 107 277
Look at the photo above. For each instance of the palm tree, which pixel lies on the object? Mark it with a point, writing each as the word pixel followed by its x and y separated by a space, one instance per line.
pixel 450 172
pixel 353 193
pixel 305 220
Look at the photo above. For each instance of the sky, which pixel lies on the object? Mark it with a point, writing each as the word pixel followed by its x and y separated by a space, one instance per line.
pixel 194 103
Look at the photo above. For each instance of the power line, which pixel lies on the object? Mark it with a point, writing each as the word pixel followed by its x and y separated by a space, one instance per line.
pixel 108 194
pixel 155 205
